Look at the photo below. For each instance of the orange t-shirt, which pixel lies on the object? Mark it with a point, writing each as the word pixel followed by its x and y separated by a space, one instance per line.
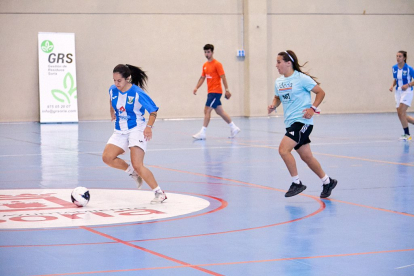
pixel 212 71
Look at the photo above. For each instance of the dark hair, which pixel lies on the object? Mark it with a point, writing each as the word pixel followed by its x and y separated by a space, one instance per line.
pixel 138 76
pixel 404 53
pixel 209 47
pixel 289 55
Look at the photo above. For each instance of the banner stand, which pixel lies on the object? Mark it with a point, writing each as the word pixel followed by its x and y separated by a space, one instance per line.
pixel 57 78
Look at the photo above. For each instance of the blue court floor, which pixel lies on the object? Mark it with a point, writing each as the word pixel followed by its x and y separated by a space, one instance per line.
pixel 226 213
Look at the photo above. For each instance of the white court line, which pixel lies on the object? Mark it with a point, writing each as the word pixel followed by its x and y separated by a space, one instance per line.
pixel 179 149
pixel 100 152
pixel 350 143
pixel 404 266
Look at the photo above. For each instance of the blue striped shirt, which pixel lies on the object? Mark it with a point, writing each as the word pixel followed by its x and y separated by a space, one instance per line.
pixel 130 107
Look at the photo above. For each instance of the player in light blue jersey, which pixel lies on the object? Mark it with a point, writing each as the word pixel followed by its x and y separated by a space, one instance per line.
pixel 293 89
pixel 127 103
pixel 403 75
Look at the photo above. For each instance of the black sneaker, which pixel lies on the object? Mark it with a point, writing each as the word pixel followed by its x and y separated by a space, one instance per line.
pixel 295 189
pixel 327 188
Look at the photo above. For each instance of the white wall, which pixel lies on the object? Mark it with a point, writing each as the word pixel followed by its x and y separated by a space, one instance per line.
pixel 350 53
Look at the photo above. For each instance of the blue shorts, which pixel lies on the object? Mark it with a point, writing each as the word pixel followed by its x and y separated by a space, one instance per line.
pixel 213 100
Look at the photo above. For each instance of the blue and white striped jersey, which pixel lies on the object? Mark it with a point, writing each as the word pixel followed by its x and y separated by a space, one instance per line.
pixel 130 107
pixel 402 76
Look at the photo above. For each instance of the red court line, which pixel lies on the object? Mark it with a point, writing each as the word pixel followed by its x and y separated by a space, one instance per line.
pixel 371 207
pixel 149 251
pixel 244 262
pixel 218 177
pixel 270 188
pixel 321 208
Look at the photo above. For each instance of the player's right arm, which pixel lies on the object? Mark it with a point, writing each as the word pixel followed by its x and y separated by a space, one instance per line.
pixel 393 84
pixel 275 103
pixel 199 83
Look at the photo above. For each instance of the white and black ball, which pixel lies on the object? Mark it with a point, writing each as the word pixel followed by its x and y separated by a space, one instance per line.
pixel 80 196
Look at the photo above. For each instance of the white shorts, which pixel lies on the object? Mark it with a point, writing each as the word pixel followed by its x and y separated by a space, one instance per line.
pixel 403 97
pixel 127 140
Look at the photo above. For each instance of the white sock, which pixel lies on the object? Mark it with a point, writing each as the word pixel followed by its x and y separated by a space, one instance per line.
pixel 157 190
pixel 325 179
pixel 295 179
pixel 203 129
pixel 232 125
pixel 130 169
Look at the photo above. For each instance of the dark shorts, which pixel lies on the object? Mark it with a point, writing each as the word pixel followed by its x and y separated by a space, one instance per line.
pixel 213 100
pixel 299 132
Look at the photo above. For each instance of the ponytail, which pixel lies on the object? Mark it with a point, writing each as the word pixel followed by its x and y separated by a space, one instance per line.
pixel 289 55
pixel 138 76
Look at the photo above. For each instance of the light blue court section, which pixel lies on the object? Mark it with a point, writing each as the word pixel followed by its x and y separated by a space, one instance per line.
pixel 364 228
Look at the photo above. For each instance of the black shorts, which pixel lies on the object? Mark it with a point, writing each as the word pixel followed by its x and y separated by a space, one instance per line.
pixel 213 100
pixel 299 132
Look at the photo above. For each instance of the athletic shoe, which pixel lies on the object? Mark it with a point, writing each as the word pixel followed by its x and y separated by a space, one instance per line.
pixel 159 197
pixel 200 135
pixel 137 179
pixel 327 188
pixel 295 189
pixel 234 132
pixel 405 137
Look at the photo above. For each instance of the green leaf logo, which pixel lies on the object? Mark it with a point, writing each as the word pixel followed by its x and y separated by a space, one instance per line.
pixel 62 96
pixel 47 46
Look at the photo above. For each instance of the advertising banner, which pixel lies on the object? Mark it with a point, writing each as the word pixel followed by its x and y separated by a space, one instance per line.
pixel 57 78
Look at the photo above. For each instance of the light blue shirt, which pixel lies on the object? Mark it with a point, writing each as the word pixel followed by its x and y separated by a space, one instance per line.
pixel 295 94
pixel 130 107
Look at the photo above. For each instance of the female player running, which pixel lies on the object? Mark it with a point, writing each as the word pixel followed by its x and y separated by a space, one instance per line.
pixel 293 91
pixel 403 74
pixel 127 104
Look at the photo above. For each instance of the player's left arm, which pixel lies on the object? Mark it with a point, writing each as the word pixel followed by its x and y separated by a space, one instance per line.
pixel 320 95
pixel 227 95
pixel 149 105
pixel 410 82
pixel 150 125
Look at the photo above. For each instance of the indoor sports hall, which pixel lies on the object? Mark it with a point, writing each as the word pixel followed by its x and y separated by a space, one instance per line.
pixel 226 212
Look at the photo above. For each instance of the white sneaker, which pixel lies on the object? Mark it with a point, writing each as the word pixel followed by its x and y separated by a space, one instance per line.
pixel 200 135
pixel 234 132
pixel 137 179
pixel 405 137
pixel 159 198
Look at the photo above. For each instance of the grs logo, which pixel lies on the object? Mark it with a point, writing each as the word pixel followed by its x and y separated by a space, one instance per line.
pixel 64 96
pixel 47 46
pixel 404 73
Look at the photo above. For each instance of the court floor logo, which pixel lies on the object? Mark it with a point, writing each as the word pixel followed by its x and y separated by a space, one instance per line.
pixel 40 208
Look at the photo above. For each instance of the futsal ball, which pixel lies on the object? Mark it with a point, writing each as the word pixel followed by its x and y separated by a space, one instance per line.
pixel 80 196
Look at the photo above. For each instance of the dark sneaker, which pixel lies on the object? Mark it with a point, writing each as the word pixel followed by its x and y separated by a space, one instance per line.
pixel 327 188
pixel 295 189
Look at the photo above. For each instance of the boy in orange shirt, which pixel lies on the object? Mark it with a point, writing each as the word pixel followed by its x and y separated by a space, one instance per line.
pixel 213 71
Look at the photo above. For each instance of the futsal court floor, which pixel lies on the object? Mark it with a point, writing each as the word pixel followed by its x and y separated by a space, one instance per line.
pixel 226 213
